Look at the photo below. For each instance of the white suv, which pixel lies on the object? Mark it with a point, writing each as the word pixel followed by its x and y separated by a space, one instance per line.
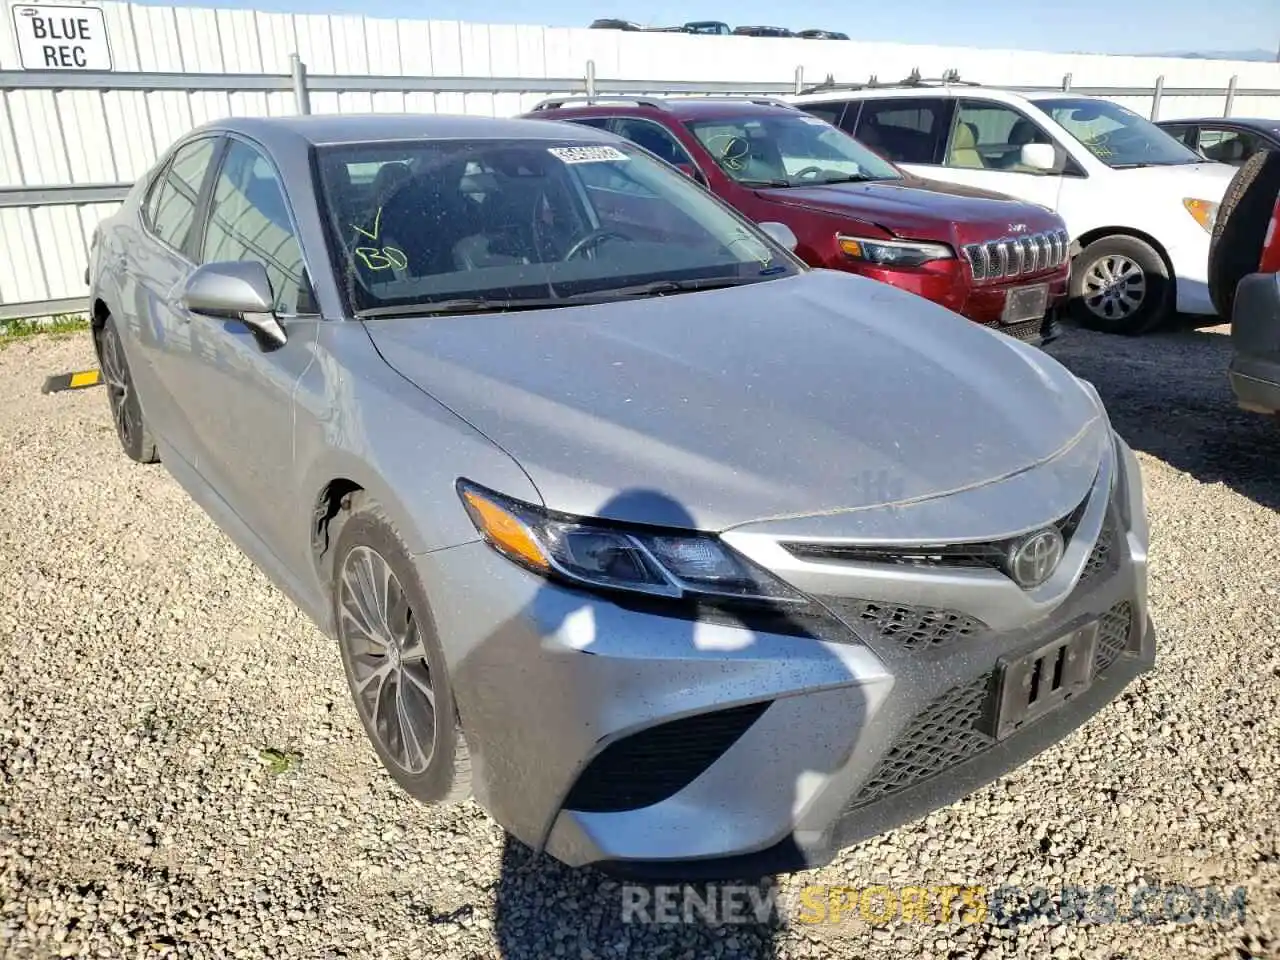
pixel 1139 205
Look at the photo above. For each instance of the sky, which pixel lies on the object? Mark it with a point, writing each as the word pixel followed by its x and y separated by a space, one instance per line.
pixel 1079 26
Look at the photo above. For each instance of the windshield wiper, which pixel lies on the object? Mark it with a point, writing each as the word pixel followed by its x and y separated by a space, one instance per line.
pixel 435 308
pixel 766 183
pixel 851 178
pixel 660 288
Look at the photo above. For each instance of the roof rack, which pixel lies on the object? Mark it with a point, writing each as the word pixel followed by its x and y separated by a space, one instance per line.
pixel 735 98
pixel 663 103
pixel 553 103
pixel 949 78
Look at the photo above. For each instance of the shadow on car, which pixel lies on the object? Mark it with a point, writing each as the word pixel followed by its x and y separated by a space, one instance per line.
pixel 544 908
pixel 1168 395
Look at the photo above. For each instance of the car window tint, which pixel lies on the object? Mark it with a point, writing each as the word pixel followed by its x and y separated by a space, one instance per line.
pixel 1227 146
pixel 830 112
pixel 174 205
pixel 249 220
pixel 906 131
pixel 990 136
pixel 653 138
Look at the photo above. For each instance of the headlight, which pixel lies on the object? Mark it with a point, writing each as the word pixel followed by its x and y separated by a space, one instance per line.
pixel 894 253
pixel 592 553
pixel 1205 212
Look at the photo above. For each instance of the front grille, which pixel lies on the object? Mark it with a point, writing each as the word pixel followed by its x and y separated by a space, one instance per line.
pixel 948 731
pixel 654 764
pixel 1100 557
pixel 988 554
pixel 942 735
pixel 1011 257
pixel 910 628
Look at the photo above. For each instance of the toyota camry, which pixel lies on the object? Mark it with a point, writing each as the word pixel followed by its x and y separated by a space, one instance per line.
pixel 682 558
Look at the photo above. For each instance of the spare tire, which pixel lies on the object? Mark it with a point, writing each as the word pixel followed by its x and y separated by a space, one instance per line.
pixel 1241 227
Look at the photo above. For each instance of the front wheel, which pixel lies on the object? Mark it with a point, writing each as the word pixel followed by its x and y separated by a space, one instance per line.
pixel 126 411
pixel 393 660
pixel 1120 285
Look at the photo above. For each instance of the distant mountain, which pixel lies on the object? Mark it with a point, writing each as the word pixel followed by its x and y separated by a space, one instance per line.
pixel 1266 56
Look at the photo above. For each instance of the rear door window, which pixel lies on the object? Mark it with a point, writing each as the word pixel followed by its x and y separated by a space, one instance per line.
pixel 172 208
pixel 906 130
pixel 831 111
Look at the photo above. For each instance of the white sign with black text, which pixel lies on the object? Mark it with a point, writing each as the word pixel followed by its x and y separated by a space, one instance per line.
pixel 61 37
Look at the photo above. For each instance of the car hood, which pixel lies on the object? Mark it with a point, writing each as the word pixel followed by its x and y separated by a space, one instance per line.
pixel 821 393
pixel 920 208
pixel 1197 181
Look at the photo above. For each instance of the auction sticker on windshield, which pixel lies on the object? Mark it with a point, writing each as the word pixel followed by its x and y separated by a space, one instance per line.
pixel 587 154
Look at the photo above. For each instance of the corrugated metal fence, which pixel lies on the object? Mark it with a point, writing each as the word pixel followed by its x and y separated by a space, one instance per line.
pixel 71 142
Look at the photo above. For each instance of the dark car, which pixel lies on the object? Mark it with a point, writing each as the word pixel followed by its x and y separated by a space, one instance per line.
pixel 1230 140
pixel 609 24
pixel 762 32
pixel 711 28
pixel 822 35
pixel 996 260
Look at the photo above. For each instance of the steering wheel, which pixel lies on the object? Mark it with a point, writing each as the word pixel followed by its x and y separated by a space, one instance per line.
pixel 594 239
pixel 807 171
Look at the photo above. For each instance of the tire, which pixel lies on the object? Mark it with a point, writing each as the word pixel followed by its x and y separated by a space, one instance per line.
pixel 1241 227
pixel 126 412
pixel 1141 303
pixel 365 537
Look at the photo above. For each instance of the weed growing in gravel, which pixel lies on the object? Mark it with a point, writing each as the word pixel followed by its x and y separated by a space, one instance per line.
pixel 61 325
pixel 279 761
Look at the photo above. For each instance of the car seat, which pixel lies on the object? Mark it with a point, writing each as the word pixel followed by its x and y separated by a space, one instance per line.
pixel 964 148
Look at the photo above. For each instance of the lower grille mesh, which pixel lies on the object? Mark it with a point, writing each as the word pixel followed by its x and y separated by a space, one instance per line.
pixel 946 732
pixel 1113 636
pixel 652 765
pixel 942 735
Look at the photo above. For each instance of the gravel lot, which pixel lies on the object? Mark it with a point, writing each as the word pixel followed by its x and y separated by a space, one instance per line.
pixel 183 772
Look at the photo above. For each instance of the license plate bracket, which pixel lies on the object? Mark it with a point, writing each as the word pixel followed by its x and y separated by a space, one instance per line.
pixel 1032 684
pixel 1025 303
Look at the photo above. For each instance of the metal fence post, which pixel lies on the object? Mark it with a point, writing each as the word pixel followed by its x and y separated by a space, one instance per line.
pixel 591 79
pixel 799 80
pixel 300 93
pixel 1066 83
pixel 1156 98
pixel 1231 96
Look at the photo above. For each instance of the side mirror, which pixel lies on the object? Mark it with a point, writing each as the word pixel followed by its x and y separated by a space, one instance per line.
pixel 235 290
pixel 780 233
pixel 1039 156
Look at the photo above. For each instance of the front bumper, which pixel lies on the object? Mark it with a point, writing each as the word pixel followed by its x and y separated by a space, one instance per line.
pixel 663 748
pixel 955 289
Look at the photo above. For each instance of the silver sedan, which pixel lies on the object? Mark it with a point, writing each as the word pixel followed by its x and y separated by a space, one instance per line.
pixel 684 559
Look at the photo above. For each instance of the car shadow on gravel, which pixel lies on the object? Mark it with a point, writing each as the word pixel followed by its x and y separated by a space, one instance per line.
pixel 546 909
pixel 1168 395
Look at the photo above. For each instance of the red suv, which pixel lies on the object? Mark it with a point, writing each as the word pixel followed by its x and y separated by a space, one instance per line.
pixel 999 261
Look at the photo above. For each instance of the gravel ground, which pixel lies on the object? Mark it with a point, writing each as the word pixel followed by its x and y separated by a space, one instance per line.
pixel 183 772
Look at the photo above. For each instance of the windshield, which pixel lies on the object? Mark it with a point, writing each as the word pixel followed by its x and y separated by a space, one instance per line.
pixel 784 150
pixel 1117 136
pixel 515 221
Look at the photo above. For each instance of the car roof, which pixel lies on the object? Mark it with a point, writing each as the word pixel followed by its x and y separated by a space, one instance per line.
pixel 300 132
pixel 677 108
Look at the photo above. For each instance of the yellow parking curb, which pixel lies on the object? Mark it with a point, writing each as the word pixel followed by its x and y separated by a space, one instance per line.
pixel 77 380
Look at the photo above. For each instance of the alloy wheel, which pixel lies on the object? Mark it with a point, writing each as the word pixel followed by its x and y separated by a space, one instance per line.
pixel 388 659
pixel 116 376
pixel 1114 287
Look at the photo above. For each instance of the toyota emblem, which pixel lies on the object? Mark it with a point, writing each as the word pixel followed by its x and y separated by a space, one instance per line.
pixel 1033 559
